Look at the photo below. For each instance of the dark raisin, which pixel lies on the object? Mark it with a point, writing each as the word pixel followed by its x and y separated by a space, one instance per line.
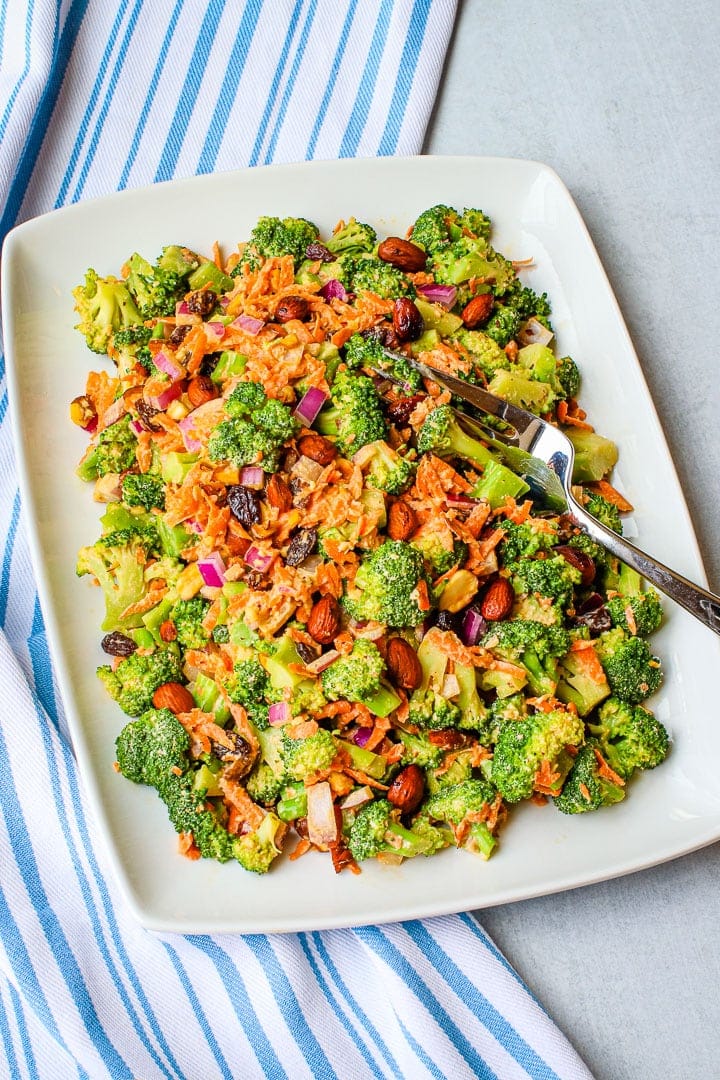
pixel 316 250
pixel 241 747
pixel 256 581
pixel 383 333
pixel 306 654
pixel 209 363
pixel 201 302
pixel 179 334
pixel 118 644
pixel 593 614
pixel 145 414
pixel 446 621
pixel 300 826
pixel 399 412
pixel 244 504
pixel 302 544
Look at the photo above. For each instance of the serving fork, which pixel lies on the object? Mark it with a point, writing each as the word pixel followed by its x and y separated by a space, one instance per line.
pixel 540 453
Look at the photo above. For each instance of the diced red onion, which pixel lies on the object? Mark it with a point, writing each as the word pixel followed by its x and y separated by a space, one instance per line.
pixel 324 661
pixel 306 469
pixel 212 569
pixel 216 329
pixel 114 412
pixel 91 426
pixel 534 333
pixel 473 627
pixel 370 631
pixel 193 525
pixel 461 500
pixel 162 400
pixel 224 301
pixel 182 308
pixel 357 798
pixel 334 290
pixel 252 476
pixel 439 294
pixel 451 687
pixel 257 560
pixel 321 821
pixel 310 405
pixel 167 365
pixel 279 713
pixel 186 427
pixel 135 426
pixel 248 324
pixel 362 735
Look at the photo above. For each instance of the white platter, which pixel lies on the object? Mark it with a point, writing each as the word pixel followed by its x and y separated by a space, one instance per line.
pixel 668 812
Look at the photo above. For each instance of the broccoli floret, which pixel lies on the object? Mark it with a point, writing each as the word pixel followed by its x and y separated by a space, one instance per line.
pixel 588 786
pixel 386 586
pixel 507 710
pixel 429 709
pixel 486 355
pixel 355 677
pixel 644 610
pixel 361 273
pixel 269 776
pixel 136 678
pixel 104 306
pixel 249 686
pixel 632 670
pixel 418 750
pixel 441 225
pixel 531 746
pixel 518 305
pixel 460 806
pixel 303 758
pixel 535 646
pixel 221 634
pixel 605 512
pixel 473 711
pixel 568 376
pixel 355 417
pixel 245 399
pixel 376 829
pixel 273 237
pixel 150 748
pixel 307 697
pixel 553 577
pixel 441 434
pixel 352 239
pixel 504 325
pixel 523 540
pixel 582 680
pixel 187 616
pixel 258 429
pixel 276 422
pixel 114 451
pixel 117 562
pixel 385 469
pixel 457 770
pixel 156 289
pixel 630 737
pixel 143 489
pixel 437 556
pixel 470 257
pixel 129 346
pixel 366 350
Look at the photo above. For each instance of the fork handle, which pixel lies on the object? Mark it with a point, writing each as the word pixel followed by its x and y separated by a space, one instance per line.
pixel 704 605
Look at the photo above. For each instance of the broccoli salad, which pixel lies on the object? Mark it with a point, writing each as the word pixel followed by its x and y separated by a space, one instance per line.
pixel 336 620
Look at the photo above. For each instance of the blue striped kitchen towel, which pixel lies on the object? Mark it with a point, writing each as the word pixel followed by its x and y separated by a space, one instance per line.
pixel 94 98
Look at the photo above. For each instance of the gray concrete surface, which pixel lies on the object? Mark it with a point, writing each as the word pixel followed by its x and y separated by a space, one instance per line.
pixel 623 101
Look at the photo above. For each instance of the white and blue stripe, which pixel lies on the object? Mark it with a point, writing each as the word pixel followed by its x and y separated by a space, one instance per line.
pixel 96 98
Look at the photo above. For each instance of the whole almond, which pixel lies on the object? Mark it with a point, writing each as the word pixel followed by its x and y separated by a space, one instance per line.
pixel 278 493
pixel 580 560
pixel 317 448
pixel 292 307
pixel 498 600
pixel 324 622
pixel 407 321
pixel 407 789
pixel 477 311
pixel 402 520
pixel 173 696
pixel 402 254
pixel 201 389
pixel 403 664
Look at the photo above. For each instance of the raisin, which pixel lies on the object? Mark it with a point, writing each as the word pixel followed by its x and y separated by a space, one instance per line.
pixel 316 250
pixel 146 413
pixel 256 581
pixel 302 544
pixel 244 504
pixel 241 747
pixel 399 411
pixel 118 644
pixel 201 302
pixel 306 654
pixel 179 334
pixel 593 614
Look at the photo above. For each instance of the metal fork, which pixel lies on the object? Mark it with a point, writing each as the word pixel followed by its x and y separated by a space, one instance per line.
pixel 540 453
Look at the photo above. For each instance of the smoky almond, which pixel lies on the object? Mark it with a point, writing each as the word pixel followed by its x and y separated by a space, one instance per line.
pixel 402 520
pixel 403 664
pixel 477 311
pixel 201 389
pixel 278 493
pixel 317 448
pixel 292 307
pixel 580 560
pixel 498 600
pixel 402 254
pixel 407 789
pixel 324 622
pixel 173 696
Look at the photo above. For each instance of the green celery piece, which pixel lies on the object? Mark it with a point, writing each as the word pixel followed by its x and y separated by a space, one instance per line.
pixel 142 638
pixel 176 466
pixel 207 273
pixel 204 778
pixel 230 363
pixel 366 761
pixel 383 702
pixel 208 698
pixel 277 664
pixel 173 540
pixel 496 483
pixel 155 617
pixel 291 808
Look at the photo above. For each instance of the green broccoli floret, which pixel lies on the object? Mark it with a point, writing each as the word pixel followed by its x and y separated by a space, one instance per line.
pixel 518 305
pixel 117 562
pixel 582 681
pixel 507 710
pixel 113 452
pixel 568 376
pixel 143 489
pixel 246 398
pixel 632 670
pixel 438 558
pixel 521 541
pixel 536 742
pixel 273 237
pixel 645 610
pixel 535 646
pixel 129 346
pixel 187 616
pixel 360 273
pixel 419 750
pixel 352 239
pixel 441 434
pixel 367 350
pixel 504 325
pixel 429 708
pixel 605 512
pixel 355 677
pixel 470 257
pixel 456 771
pixel 156 289
pixel 355 417
pixel 630 737
pixel 455 803
pixel 376 829
pixel 386 584
pixel 441 225
pixel 258 429
pixel 303 758
pixel 385 470
pixel 136 678
pixel 585 789
pixel 104 306
pixel 268 777
pixel 150 748
pixel 307 697
pixel 249 686
pixel 553 577
pixel 473 711
pixel 486 355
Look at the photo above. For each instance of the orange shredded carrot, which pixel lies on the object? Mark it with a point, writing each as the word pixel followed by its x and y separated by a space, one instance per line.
pixel 610 494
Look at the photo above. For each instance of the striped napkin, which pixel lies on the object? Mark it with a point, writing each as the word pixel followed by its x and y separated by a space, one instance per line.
pixel 95 98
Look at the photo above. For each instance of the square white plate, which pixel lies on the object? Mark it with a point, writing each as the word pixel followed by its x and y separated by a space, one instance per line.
pixel 668 812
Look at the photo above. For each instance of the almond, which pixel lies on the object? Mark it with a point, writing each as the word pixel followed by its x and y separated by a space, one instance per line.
pixel 402 254
pixel 498 600
pixel 173 696
pixel 201 389
pixel 278 493
pixel 580 560
pixel 402 520
pixel 403 664
pixel 477 311
pixel 407 789
pixel 407 321
pixel 317 448
pixel 292 307
pixel 324 622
